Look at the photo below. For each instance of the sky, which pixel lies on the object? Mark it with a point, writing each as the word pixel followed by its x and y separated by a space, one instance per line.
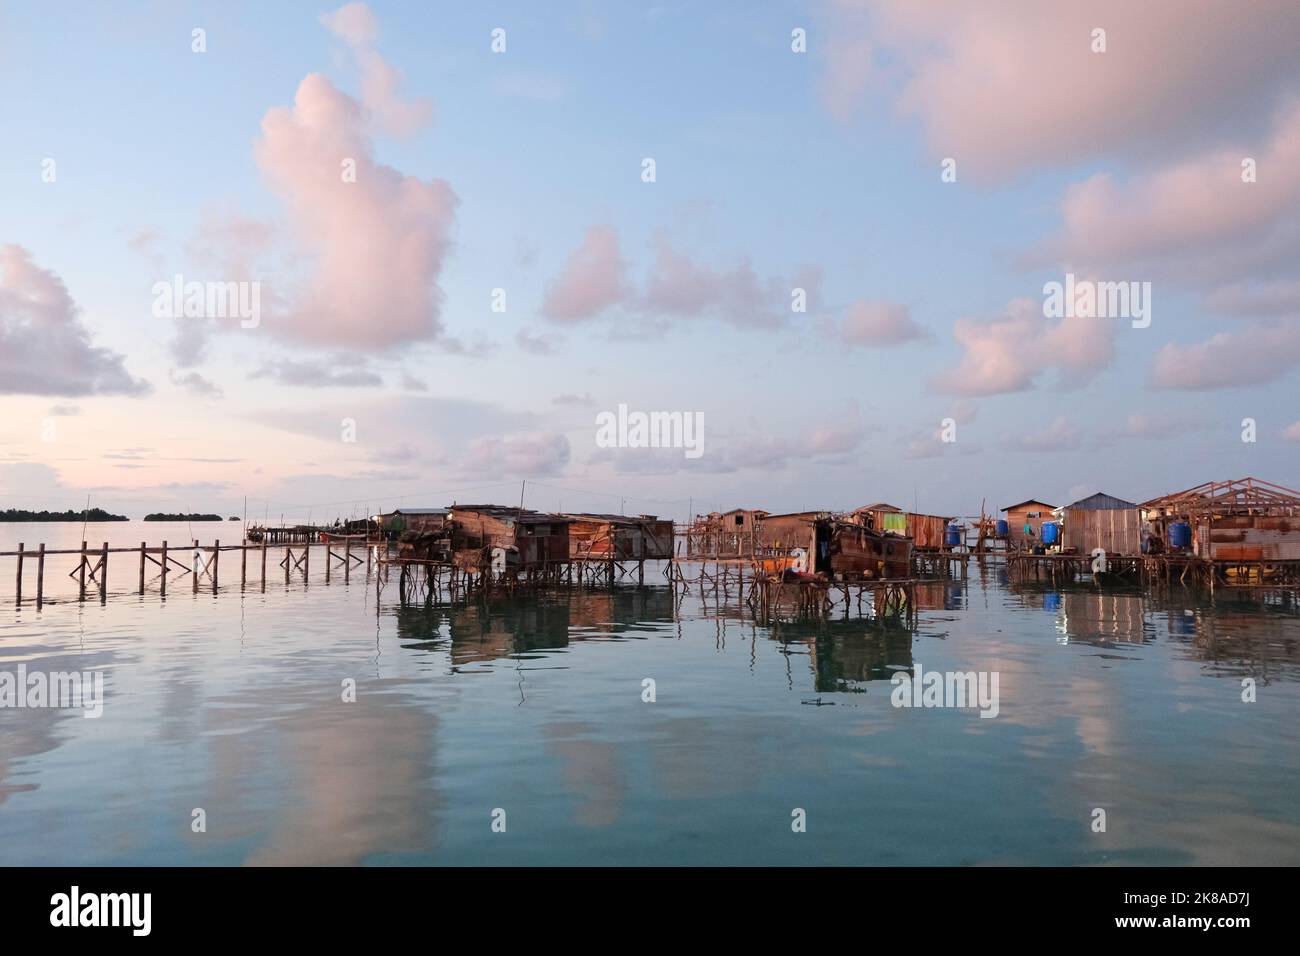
pixel 472 231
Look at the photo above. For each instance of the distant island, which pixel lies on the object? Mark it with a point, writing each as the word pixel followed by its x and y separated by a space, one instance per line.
pixel 196 517
pixel 94 514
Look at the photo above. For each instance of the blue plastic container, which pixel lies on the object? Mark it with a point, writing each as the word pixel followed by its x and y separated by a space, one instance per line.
pixel 1050 528
pixel 1003 528
pixel 1180 535
pixel 953 537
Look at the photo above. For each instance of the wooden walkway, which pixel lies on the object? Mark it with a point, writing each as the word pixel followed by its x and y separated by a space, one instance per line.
pixel 92 565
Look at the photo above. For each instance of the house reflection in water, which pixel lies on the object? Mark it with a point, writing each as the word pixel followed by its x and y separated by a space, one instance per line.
pixel 848 655
pixel 1101 618
pixel 510 627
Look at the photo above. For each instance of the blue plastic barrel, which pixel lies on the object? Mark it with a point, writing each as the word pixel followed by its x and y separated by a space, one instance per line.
pixel 1003 528
pixel 1049 532
pixel 953 538
pixel 1180 535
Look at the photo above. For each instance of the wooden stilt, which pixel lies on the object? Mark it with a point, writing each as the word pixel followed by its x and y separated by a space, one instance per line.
pixel 243 564
pixel 329 559
pixel 194 564
pixel 162 588
pixel 347 561
pixel 40 577
pixel 306 563
pixel 216 554
pixel 103 575
pixel 142 560
pixel 264 564
pixel 18 586
pixel 81 574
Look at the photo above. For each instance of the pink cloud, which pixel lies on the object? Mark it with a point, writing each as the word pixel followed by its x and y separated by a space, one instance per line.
pixel 1234 359
pixel 680 286
pixel 1195 218
pixel 376 245
pixel 593 279
pixel 879 324
pixel 1010 352
pixel 44 347
pixel 356 25
pixel 1004 85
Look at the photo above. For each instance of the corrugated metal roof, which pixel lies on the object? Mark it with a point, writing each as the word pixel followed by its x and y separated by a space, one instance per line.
pixel 611 519
pixel 1101 502
pixel 509 513
pixel 419 511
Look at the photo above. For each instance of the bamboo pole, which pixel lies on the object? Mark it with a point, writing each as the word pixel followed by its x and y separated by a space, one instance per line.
pixel 243 561
pixel 328 559
pixel 18 584
pixel 81 574
pixel 103 574
pixel 216 555
pixel 306 561
pixel 288 563
pixel 142 560
pixel 40 578
pixel 163 586
pixel 195 562
pixel 263 562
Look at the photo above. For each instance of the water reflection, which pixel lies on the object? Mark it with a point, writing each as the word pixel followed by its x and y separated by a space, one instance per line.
pixel 533 703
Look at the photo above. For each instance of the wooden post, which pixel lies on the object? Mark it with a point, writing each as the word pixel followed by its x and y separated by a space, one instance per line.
pixel 306 560
pixel 288 563
pixel 196 560
pixel 347 561
pixel 243 563
pixel 40 577
pixel 163 587
pixel 328 560
pixel 18 586
pixel 142 560
pixel 81 574
pixel 103 575
pixel 216 555
pixel 263 562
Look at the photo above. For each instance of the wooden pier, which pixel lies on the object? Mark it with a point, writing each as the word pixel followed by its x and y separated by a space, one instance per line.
pixel 762 582
pixel 158 567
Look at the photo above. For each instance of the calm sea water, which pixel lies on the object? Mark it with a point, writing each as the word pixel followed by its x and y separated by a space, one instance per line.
pixel 233 704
